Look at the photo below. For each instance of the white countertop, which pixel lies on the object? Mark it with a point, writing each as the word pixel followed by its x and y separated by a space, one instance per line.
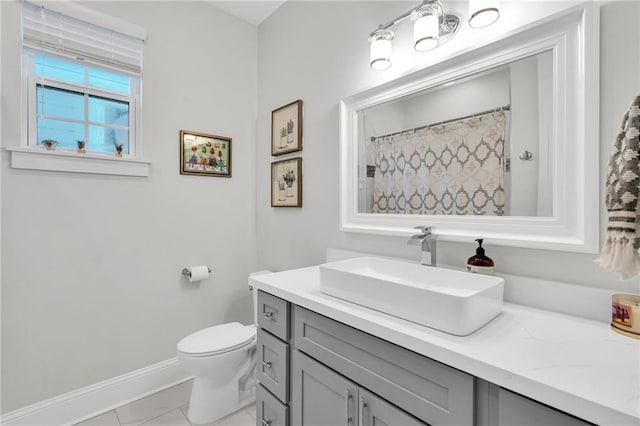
pixel 576 365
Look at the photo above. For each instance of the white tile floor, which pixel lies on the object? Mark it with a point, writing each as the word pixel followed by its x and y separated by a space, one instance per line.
pixel 165 408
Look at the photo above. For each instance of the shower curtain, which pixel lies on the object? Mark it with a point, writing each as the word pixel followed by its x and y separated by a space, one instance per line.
pixel 452 168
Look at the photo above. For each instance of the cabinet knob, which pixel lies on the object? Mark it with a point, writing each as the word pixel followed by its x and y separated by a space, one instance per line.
pixel 266 422
pixel 269 315
pixel 266 364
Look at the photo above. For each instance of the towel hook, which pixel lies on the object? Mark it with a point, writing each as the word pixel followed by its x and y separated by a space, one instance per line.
pixel 527 156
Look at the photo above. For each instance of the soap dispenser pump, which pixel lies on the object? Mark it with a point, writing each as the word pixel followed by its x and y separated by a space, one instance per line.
pixel 480 263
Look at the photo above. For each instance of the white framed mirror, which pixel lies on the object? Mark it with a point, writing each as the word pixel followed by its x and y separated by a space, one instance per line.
pixel 500 142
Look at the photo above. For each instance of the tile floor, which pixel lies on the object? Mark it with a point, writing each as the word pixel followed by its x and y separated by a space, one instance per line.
pixel 165 408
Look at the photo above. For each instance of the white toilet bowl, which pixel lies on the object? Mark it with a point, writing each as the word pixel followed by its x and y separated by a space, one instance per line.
pixel 222 361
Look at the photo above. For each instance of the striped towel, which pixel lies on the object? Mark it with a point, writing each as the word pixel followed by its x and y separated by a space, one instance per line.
pixel 621 251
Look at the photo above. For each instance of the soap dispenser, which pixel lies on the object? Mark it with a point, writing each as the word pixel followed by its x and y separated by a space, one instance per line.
pixel 480 263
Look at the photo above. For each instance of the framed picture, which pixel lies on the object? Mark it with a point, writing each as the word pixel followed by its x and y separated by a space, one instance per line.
pixel 286 183
pixel 286 129
pixel 204 155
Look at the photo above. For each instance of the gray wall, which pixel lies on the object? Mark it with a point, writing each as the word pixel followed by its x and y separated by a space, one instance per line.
pixel 327 59
pixel 91 284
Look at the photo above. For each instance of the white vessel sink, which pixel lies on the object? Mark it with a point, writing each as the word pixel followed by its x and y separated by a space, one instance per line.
pixel 451 301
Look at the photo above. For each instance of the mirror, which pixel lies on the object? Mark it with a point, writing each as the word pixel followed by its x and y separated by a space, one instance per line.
pixel 473 146
pixel 498 142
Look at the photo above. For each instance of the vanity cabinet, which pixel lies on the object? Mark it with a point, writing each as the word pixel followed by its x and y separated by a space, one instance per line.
pixel 316 371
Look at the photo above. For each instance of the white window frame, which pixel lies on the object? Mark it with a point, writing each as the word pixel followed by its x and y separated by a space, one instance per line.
pixel 31 156
pixel 32 111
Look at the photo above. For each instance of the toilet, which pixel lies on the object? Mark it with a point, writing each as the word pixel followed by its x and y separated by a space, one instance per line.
pixel 222 361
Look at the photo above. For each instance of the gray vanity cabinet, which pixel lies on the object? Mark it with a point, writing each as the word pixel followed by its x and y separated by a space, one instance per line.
pixel 315 371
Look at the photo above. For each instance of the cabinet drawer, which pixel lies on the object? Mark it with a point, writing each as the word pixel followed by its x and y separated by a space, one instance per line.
pixel 431 391
pixel 273 364
pixel 273 315
pixel 270 411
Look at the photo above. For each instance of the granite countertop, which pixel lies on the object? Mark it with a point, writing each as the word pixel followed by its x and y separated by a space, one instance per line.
pixel 576 365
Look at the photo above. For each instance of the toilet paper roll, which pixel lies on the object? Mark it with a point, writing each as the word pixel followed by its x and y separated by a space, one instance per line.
pixel 198 273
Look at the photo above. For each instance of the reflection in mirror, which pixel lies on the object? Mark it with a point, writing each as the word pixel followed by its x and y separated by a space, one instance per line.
pixel 472 146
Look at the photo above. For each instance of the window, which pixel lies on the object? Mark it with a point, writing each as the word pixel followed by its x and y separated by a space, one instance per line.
pixel 82 76
pixel 71 102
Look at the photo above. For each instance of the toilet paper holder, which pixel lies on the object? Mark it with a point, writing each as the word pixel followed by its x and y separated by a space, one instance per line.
pixel 187 273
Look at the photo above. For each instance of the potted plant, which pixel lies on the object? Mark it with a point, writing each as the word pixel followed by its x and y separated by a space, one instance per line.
pixel 49 144
pixel 81 146
pixel 119 148
pixel 283 137
pixel 290 131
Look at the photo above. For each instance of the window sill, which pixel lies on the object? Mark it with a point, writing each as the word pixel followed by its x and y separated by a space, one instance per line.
pixel 60 161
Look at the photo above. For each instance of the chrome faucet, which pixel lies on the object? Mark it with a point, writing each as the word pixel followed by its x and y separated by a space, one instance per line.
pixel 427 241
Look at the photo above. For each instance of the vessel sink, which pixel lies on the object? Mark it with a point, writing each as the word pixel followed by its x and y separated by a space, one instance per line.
pixel 451 301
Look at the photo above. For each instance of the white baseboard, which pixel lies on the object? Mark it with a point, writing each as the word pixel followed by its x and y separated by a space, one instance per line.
pixel 90 401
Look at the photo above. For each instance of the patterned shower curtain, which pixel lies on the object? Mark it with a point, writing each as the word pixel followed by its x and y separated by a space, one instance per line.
pixel 452 168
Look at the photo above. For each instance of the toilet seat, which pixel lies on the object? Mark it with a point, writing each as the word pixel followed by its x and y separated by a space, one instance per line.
pixel 217 340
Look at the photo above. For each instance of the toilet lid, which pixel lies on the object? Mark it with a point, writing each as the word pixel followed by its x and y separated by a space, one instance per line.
pixel 216 339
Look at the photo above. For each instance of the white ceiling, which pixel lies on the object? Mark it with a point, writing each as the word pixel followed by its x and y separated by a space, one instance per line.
pixel 251 11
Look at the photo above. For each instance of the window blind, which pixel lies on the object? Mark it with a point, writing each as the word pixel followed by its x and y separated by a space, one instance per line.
pixel 50 31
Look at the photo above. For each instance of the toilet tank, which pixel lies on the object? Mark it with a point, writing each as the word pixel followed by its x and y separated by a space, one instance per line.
pixel 255 294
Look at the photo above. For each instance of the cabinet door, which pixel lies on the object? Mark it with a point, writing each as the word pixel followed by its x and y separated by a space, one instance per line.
pixel 514 409
pixel 496 406
pixel 375 411
pixel 319 396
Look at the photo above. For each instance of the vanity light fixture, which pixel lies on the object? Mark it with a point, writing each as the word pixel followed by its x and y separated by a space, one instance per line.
pixel 432 27
pixel 483 13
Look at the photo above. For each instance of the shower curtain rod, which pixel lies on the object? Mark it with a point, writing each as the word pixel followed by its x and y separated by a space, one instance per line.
pixel 440 123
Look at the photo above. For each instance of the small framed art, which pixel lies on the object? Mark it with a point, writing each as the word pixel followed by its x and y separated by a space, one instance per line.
pixel 286 183
pixel 286 129
pixel 204 155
